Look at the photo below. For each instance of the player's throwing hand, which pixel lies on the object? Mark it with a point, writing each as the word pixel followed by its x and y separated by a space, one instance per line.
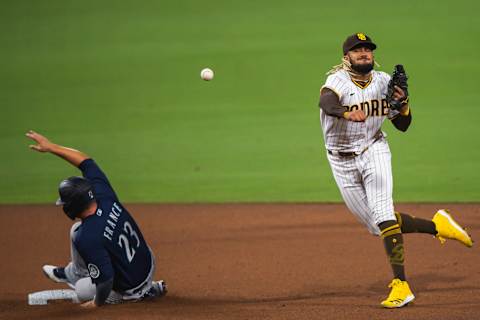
pixel 357 116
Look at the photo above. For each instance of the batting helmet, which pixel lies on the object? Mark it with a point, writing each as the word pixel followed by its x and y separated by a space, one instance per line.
pixel 76 194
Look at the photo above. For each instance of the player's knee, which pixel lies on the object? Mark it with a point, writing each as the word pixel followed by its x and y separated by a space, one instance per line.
pixel 85 289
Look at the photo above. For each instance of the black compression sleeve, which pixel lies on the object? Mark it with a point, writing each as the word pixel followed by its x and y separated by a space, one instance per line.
pixel 330 103
pixel 102 291
pixel 403 122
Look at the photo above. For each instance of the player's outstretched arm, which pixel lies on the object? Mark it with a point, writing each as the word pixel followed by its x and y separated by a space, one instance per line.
pixel 73 156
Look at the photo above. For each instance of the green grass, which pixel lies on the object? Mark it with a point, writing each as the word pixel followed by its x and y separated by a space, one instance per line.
pixel 120 81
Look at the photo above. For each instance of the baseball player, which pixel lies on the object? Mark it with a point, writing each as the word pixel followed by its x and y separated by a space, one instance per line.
pixel 111 262
pixel 353 106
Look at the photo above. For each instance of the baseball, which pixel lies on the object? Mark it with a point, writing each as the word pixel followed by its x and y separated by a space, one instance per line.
pixel 206 74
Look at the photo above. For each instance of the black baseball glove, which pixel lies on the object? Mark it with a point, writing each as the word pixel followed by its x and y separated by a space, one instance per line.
pixel 399 78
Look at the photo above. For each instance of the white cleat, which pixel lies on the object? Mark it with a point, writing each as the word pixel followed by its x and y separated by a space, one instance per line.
pixel 56 274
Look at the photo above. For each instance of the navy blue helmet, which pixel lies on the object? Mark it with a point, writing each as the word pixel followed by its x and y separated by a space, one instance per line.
pixel 76 194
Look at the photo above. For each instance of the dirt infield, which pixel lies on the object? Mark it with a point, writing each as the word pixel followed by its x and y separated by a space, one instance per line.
pixel 253 261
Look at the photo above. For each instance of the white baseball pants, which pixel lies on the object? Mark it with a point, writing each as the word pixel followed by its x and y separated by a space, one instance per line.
pixel 366 184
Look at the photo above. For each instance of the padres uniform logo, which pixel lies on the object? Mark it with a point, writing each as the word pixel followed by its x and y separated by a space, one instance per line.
pixel 361 36
pixel 93 271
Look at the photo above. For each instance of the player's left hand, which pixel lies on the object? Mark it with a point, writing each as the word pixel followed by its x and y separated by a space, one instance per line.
pixel 399 94
pixel 43 144
pixel 89 304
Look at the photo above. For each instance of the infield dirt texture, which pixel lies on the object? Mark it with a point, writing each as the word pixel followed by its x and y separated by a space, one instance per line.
pixel 253 262
pixel 120 81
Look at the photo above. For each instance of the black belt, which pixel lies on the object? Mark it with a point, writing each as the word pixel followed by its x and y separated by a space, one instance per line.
pixel 376 137
pixel 342 154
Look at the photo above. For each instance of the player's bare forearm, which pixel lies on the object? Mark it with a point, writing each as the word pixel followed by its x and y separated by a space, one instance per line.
pixel 73 156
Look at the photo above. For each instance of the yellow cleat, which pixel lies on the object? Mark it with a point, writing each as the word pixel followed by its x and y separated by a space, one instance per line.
pixel 447 228
pixel 400 296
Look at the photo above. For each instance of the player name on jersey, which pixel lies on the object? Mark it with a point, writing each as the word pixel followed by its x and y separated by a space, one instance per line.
pixel 112 221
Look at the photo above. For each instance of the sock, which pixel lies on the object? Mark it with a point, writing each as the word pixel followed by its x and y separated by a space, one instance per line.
pixel 393 241
pixel 411 224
